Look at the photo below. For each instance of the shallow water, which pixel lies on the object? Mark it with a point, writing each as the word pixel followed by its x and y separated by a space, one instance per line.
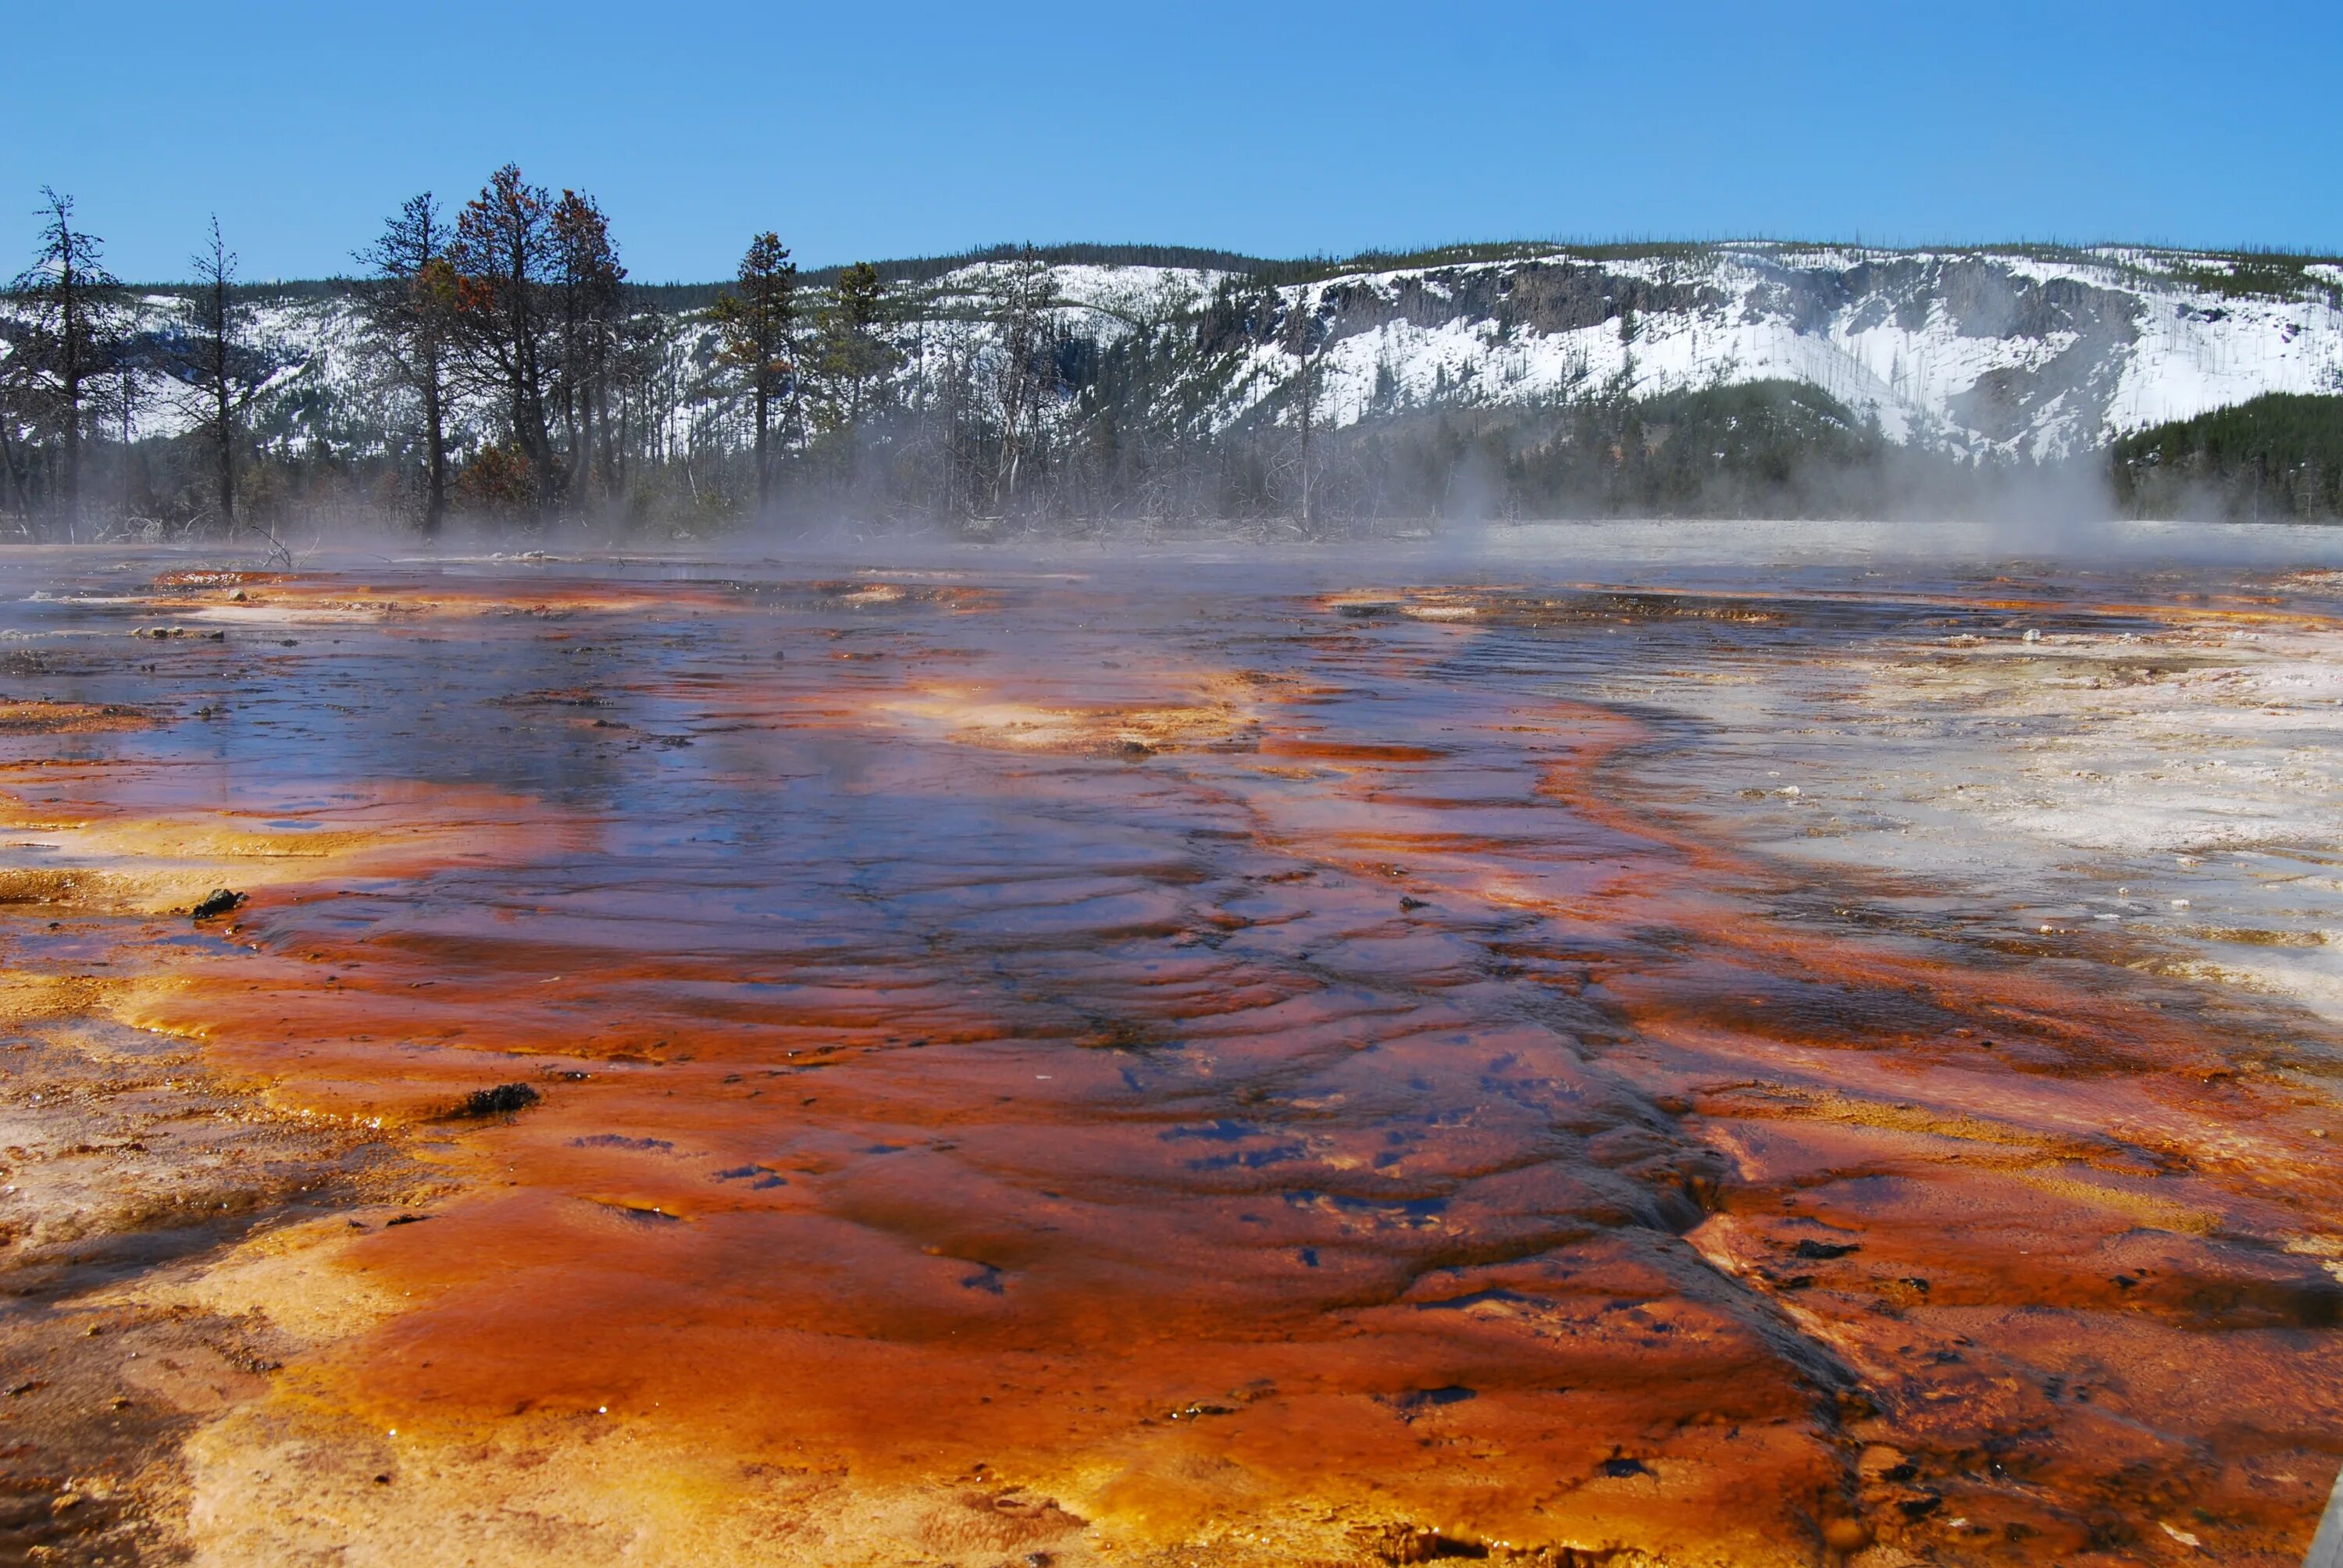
pixel 1287 1058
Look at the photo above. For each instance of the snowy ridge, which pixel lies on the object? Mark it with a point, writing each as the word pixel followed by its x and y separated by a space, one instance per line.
pixel 2034 354
pixel 1977 352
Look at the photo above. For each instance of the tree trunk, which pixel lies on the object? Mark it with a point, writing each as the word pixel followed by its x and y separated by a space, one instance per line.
pixel 434 441
pixel 70 492
pixel 18 479
pixel 221 411
pixel 1309 397
pixel 764 425
pixel 604 442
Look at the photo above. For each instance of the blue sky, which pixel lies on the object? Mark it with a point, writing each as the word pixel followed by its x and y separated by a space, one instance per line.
pixel 904 128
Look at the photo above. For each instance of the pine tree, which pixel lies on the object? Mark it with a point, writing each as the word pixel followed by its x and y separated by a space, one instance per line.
pixel 504 258
pixel 410 312
pixel 73 319
pixel 587 279
pixel 753 320
pixel 219 320
pixel 855 357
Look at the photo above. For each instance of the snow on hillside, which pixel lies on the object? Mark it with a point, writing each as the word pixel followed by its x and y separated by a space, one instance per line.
pixel 1978 353
pixel 2028 354
pixel 1090 296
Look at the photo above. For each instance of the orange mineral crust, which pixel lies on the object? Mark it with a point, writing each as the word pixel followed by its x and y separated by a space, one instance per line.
pixel 1016 1067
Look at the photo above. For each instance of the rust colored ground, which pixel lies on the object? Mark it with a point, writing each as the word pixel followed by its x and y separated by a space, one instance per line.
pixel 1047 1071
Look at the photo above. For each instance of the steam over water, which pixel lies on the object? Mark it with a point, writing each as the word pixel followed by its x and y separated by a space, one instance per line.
pixel 1291 1060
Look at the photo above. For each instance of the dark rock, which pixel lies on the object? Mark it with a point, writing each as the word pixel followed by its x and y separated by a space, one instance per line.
pixel 502 1100
pixel 218 902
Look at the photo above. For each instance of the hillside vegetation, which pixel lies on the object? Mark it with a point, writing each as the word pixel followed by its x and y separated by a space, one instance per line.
pixel 2276 457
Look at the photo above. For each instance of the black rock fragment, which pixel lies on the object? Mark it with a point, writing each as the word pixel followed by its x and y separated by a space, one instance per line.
pixel 502 1100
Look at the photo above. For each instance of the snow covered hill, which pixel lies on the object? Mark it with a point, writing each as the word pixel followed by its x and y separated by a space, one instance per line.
pixel 2028 355
pixel 2023 353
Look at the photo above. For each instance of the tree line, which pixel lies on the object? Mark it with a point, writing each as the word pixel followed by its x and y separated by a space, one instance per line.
pixel 505 373
pixel 2277 458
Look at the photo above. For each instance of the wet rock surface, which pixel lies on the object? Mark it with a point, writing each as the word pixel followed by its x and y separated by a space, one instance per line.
pixel 1123 1067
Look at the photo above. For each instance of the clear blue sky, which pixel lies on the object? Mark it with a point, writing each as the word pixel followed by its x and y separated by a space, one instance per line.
pixel 892 127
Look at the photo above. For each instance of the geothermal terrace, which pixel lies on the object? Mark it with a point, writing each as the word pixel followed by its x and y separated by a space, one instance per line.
pixel 1207 1058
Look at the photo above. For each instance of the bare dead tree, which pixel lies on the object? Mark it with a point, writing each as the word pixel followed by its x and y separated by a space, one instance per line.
pixel 1023 371
pixel 1300 334
pixel 646 389
pixel 219 320
pixel 126 398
